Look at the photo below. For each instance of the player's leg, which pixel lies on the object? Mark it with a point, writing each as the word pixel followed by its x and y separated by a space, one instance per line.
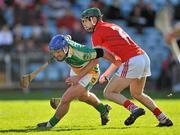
pixel 70 94
pixel 133 68
pixel 117 84
pixel 115 87
pixel 91 99
pixel 136 89
pixel 141 69
pixel 88 81
pixel 112 92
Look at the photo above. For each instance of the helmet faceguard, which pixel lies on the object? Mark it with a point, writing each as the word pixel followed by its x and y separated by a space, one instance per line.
pixel 89 14
pixel 58 43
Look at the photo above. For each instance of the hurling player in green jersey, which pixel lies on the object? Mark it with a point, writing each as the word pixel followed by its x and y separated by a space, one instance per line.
pixel 77 56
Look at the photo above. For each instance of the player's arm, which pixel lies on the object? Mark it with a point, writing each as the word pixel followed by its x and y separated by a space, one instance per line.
pixel 88 68
pixel 107 73
pixel 172 35
pixel 112 58
pixel 90 54
pixel 106 55
pixel 110 70
pixel 115 60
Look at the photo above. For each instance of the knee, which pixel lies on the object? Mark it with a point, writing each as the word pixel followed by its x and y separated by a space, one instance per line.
pixel 107 94
pixel 136 95
pixel 82 98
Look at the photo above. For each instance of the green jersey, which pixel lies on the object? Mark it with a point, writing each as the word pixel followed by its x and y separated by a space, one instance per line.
pixel 79 55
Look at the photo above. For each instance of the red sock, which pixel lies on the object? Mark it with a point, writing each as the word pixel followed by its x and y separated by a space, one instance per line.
pixel 130 105
pixel 157 112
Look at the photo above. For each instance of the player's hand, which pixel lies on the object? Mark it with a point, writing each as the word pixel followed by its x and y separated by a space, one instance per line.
pixel 169 37
pixel 72 80
pixel 103 79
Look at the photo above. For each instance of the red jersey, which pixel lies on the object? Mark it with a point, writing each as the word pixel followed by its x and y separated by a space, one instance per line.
pixel 114 39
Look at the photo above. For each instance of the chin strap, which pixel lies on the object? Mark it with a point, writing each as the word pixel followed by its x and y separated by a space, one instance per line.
pixel 94 24
pixel 92 21
pixel 65 50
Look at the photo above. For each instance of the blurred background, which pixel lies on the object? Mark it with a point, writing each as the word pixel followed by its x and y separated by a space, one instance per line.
pixel 26 27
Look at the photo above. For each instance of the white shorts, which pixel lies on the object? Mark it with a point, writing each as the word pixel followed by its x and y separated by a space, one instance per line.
pixel 135 67
pixel 88 81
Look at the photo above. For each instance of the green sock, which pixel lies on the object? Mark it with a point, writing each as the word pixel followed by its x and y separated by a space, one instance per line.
pixel 101 108
pixel 53 121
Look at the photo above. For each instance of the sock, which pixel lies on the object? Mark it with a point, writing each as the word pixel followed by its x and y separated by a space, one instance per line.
pixel 53 121
pixel 159 115
pixel 130 105
pixel 101 108
pixel 157 112
pixel 49 125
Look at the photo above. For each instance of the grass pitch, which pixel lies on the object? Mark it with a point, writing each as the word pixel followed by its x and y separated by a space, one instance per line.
pixel 20 116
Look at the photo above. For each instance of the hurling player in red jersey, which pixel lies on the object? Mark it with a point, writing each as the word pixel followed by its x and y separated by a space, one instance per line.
pixel 132 72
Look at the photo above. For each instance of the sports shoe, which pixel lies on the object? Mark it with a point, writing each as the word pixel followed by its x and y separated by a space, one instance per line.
pixel 42 125
pixel 105 117
pixel 168 123
pixel 137 113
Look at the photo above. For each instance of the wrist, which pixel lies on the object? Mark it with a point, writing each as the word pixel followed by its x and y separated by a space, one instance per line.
pixel 105 74
pixel 79 77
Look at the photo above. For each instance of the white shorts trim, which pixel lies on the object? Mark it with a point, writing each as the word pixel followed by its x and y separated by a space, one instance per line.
pixel 135 67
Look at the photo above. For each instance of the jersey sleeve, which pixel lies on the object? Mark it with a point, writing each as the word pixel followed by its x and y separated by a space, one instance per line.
pixel 85 54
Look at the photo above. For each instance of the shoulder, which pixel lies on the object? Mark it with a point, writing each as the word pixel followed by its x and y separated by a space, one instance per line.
pixel 105 27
